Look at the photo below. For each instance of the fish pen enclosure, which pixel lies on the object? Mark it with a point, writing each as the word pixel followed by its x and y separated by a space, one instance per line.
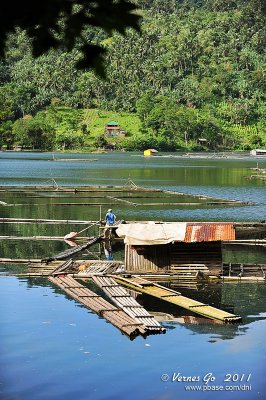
pixel 15 198
pixel 204 257
pixel 28 211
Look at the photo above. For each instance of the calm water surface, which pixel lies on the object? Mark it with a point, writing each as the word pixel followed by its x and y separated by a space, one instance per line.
pixel 53 348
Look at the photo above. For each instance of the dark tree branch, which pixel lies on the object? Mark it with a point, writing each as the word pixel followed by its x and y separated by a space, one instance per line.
pixel 40 19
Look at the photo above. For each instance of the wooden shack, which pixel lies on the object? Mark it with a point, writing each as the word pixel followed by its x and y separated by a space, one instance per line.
pixel 164 247
pixel 113 129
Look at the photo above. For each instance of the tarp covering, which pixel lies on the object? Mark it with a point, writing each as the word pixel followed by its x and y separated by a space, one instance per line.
pixel 163 233
pixel 151 234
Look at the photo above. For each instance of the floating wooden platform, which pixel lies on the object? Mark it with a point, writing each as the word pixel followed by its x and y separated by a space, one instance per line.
pixel 143 286
pixel 96 303
pixel 120 296
pixel 74 268
pixel 186 273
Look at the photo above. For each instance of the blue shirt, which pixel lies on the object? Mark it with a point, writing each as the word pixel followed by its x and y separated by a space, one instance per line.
pixel 110 218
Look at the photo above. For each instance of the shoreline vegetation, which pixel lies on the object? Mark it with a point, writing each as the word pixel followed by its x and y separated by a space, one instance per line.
pixel 193 80
pixel 241 154
pixel 61 138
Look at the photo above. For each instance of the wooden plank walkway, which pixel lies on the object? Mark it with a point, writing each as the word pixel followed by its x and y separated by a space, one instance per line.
pixel 96 303
pixel 120 296
pixel 72 251
pixel 144 286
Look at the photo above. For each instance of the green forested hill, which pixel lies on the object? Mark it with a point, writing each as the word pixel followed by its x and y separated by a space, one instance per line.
pixel 197 71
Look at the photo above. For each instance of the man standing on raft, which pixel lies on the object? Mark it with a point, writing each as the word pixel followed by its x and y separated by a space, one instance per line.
pixel 110 221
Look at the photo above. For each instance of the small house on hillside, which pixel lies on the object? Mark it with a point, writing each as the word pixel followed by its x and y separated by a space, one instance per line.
pixel 163 247
pixel 202 141
pixel 150 152
pixel 113 129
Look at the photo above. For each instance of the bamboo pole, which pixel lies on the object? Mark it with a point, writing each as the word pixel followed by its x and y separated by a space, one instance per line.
pixel 75 189
pixel 122 200
pixel 27 274
pixel 20 260
pixel 43 221
pixel 74 159
pixel 71 196
pixel 128 202
pixel 243 279
pixel 41 238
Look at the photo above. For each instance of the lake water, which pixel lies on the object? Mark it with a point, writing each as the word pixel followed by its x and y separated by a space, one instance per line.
pixel 54 348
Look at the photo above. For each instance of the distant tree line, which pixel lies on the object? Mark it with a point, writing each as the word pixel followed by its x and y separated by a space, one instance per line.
pixel 195 76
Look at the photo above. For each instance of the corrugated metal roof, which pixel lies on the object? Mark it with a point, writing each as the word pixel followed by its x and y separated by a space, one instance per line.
pixel 112 123
pixel 206 232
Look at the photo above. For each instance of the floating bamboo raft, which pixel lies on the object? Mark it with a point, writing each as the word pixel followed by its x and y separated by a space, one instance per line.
pixel 120 296
pixel 96 303
pixel 143 286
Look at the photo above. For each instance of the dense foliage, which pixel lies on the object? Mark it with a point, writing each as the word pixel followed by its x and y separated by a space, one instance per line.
pixel 195 78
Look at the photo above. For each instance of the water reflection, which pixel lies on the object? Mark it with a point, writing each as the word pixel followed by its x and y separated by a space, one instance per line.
pixel 45 327
pixel 107 249
pixel 245 299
